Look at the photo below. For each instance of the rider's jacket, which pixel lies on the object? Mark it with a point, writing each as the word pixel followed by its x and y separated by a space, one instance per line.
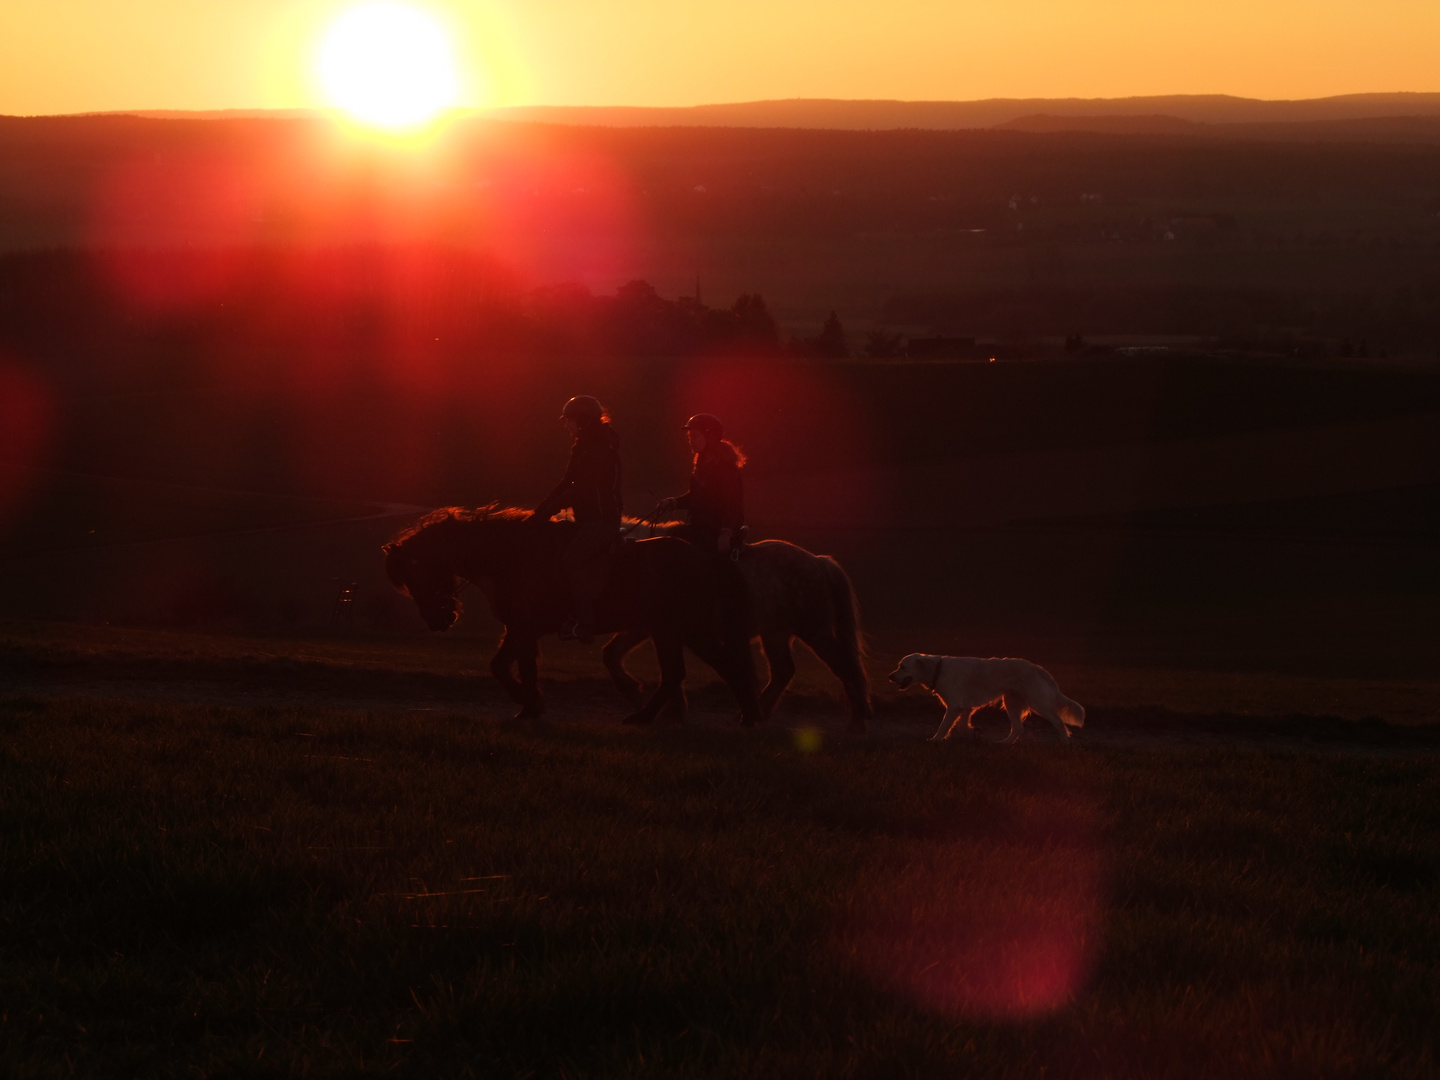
pixel 716 499
pixel 591 487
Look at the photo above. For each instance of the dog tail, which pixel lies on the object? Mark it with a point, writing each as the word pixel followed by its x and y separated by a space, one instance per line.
pixel 1072 712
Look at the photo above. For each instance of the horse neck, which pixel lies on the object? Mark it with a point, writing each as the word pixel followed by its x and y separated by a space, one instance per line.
pixel 457 547
pixel 489 549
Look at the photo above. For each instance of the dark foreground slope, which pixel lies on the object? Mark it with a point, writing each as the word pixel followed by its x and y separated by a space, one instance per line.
pixel 213 891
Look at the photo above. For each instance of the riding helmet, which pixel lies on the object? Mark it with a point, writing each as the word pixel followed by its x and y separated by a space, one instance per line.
pixel 707 425
pixel 583 407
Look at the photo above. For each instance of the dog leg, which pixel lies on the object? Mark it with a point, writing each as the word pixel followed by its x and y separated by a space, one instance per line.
pixel 947 723
pixel 1053 716
pixel 1016 712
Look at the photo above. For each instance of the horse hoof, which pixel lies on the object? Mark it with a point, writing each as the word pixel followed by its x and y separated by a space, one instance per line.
pixel 529 712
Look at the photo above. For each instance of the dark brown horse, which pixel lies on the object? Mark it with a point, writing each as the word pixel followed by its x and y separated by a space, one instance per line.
pixel 661 588
pixel 791 594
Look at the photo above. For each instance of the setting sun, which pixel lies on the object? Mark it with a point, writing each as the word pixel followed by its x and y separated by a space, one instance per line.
pixel 388 65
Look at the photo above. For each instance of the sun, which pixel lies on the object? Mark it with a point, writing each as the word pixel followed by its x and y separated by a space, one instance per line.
pixel 388 65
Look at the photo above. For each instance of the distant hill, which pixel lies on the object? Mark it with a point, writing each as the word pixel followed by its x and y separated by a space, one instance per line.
pixel 1045 123
pixel 1378 129
pixel 994 112
pixel 1399 118
pixel 219 114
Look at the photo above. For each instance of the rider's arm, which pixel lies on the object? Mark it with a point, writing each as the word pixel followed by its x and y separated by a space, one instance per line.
pixel 556 501
pixel 564 493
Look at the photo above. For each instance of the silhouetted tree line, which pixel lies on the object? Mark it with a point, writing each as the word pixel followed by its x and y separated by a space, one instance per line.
pixel 363 300
pixel 1287 320
pixel 638 321
pixel 177 305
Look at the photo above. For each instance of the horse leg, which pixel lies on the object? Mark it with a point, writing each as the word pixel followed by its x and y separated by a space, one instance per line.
pixel 677 706
pixel 532 702
pixel 614 653
pixel 736 666
pixel 782 670
pixel 671 690
pixel 847 668
pixel 505 655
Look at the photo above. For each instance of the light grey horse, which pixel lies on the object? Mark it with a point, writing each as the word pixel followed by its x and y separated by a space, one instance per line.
pixel 791 594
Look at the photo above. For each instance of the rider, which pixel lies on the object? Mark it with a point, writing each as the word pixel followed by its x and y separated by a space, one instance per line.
pixel 591 489
pixel 716 499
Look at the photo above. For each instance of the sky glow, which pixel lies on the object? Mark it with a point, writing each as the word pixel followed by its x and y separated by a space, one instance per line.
pixel 92 55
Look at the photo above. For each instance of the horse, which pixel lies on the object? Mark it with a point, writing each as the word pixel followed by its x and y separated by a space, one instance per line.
pixel 662 588
pixel 791 593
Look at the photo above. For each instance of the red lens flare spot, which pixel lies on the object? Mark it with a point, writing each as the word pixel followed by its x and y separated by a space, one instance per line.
pixel 806 432
pixel 169 231
pixel 984 931
pixel 556 213
pixel 26 424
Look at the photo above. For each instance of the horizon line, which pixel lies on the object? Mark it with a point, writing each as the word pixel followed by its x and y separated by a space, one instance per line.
pixel 318 111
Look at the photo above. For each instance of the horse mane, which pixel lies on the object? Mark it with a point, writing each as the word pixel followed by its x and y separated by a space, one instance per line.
pixel 438 518
pixel 447 537
pixel 646 528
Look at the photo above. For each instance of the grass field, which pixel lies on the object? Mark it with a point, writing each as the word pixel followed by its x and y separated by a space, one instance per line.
pixel 333 857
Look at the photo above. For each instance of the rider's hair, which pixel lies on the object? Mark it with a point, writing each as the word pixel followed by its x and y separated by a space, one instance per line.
pixel 726 448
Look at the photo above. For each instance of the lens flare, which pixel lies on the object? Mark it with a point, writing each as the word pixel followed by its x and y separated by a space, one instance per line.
pixel 27 418
pixel 388 65
pixel 1001 925
pixel 808 740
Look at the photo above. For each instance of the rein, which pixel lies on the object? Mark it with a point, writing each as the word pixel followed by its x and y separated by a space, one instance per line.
pixel 649 519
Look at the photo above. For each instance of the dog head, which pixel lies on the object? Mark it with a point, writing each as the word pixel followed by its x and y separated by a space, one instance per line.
pixel 908 671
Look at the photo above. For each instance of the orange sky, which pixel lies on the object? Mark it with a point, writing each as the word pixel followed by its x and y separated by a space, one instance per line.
pixel 79 55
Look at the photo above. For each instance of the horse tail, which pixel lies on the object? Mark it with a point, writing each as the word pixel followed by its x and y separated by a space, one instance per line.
pixel 847 617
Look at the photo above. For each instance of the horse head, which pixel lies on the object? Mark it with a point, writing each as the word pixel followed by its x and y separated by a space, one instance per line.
pixel 432 588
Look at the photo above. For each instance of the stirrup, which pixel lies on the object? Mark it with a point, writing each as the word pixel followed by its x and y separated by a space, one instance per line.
pixel 738 542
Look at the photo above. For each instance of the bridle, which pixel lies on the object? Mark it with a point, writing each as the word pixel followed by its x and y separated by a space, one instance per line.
pixel 441 597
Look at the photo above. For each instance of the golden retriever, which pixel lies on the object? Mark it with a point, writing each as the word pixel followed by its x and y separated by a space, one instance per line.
pixel 965 683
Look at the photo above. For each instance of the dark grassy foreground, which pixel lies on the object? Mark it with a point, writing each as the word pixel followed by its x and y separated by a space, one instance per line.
pixel 196 891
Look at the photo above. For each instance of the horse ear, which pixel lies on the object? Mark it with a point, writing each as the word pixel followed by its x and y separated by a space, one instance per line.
pixel 387 548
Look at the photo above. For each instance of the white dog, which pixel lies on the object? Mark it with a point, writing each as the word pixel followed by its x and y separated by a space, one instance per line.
pixel 965 683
